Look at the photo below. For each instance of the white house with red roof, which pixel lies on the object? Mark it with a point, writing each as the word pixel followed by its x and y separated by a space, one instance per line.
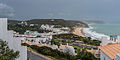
pixel 110 48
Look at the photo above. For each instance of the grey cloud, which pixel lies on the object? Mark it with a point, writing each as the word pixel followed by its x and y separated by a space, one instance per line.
pixel 6 11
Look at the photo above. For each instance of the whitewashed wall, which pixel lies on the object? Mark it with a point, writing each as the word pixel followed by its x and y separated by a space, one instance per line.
pixel 117 57
pixel 13 43
pixel 104 41
pixel 103 56
pixel 3 28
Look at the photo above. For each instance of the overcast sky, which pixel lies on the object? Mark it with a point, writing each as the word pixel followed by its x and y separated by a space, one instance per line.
pixel 104 10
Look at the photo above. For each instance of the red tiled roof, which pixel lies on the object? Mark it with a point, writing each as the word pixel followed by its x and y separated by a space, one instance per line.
pixel 63 46
pixel 111 50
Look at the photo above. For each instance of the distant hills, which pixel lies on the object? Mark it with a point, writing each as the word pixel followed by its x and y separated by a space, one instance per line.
pixel 66 23
pixel 94 22
pixel 13 21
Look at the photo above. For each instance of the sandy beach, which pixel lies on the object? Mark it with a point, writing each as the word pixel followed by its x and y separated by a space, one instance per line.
pixel 78 31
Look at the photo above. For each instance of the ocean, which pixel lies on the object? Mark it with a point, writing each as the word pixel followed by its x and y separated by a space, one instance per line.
pixel 96 31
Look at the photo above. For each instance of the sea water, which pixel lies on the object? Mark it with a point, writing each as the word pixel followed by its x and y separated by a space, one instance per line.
pixel 97 31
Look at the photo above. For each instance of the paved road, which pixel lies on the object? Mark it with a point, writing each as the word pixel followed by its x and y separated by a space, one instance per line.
pixel 34 56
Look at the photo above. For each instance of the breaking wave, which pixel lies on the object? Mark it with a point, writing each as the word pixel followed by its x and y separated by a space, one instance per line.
pixel 93 34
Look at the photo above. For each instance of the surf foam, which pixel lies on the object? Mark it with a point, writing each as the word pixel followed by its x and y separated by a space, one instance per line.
pixel 93 34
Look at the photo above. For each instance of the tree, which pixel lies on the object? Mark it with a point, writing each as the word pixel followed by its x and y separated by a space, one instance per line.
pixel 84 55
pixel 6 53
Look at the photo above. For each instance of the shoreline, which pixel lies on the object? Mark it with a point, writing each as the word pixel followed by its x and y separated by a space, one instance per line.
pixel 78 31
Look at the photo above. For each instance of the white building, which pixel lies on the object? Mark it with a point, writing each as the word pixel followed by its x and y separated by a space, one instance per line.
pixel 112 39
pixel 56 30
pixel 110 48
pixel 67 49
pixel 47 27
pixel 31 24
pixel 13 42
pixel 36 39
pixel 54 47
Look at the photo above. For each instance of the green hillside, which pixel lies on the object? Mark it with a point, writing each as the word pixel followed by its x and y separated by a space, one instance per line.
pixel 68 23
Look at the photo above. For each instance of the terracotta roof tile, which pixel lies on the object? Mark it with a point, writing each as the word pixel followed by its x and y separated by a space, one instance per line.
pixel 28 42
pixel 63 46
pixel 111 50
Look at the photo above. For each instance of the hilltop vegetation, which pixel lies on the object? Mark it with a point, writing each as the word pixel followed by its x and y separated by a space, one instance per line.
pixel 13 21
pixel 66 23
pixel 21 28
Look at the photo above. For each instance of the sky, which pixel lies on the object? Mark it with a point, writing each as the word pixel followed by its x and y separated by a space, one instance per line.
pixel 101 10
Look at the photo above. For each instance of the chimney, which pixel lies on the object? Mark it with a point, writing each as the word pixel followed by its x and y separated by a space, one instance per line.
pixel 111 38
pixel 67 44
pixel 118 39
